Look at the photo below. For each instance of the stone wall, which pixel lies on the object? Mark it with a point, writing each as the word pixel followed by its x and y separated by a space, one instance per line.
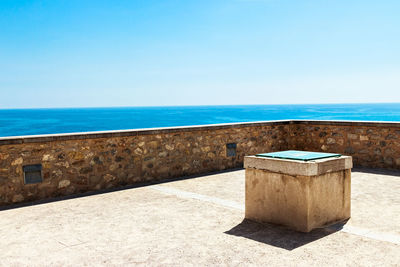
pixel 74 163
pixel 371 144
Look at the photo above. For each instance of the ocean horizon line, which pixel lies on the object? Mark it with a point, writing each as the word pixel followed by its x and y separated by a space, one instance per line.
pixel 205 105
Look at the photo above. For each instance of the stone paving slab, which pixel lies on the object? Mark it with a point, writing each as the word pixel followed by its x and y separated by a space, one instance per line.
pixel 195 224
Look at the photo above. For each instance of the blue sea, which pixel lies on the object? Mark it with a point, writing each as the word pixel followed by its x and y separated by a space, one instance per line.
pixel 17 122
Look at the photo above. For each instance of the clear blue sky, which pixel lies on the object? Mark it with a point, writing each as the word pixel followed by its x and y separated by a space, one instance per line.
pixel 138 53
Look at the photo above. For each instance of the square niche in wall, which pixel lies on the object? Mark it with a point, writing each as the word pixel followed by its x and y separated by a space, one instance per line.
pixel 32 174
pixel 231 150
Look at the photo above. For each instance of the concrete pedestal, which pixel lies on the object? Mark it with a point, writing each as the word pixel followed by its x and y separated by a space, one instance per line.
pixel 301 195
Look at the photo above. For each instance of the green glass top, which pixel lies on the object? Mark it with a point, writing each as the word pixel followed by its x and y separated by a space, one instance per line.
pixel 298 155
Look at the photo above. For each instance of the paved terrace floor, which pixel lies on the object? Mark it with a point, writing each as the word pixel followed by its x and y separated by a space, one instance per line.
pixel 198 221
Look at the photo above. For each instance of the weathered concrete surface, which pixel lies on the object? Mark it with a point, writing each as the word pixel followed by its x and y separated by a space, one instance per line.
pixel 300 202
pixel 193 222
pixel 302 195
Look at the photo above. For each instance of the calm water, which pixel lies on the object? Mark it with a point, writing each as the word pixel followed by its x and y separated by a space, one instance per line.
pixel 47 121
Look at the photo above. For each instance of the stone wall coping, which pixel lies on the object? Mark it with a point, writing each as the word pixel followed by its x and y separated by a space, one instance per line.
pixel 349 123
pixel 297 167
pixel 162 130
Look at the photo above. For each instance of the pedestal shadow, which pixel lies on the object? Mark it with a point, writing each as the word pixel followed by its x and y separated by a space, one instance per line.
pixel 279 236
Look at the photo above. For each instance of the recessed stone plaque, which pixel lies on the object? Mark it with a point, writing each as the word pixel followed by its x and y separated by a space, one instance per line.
pixel 231 150
pixel 32 174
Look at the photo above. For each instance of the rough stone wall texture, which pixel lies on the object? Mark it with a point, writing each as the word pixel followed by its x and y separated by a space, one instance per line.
pixel 80 163
pixel 375 145
pixel 88 162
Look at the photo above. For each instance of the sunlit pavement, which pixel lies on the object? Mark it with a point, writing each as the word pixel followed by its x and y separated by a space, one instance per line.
pixel 199 221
